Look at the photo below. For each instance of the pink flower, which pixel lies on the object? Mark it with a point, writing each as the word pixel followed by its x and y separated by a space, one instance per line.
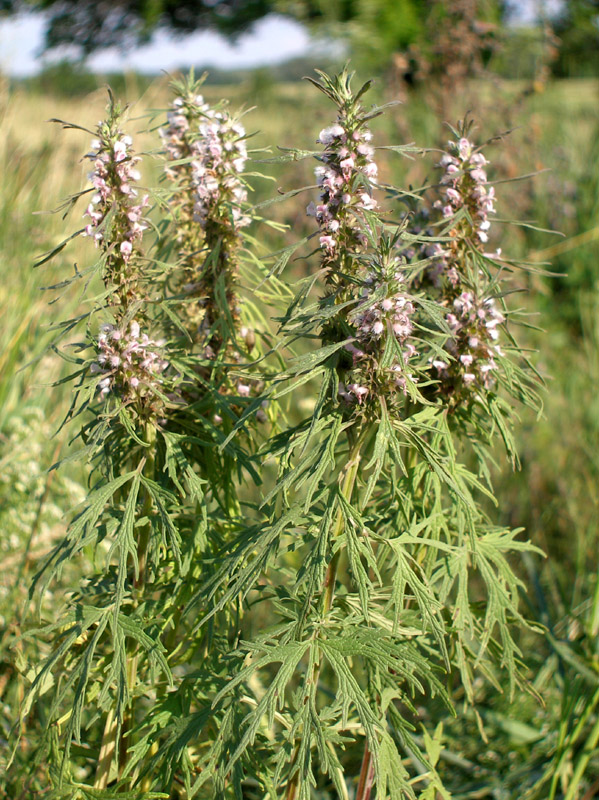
pixel 328 242
pixel 464 148
pixel 367 202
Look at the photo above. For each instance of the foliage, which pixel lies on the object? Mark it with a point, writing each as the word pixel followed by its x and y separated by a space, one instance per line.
pixel 176 558
pixel 576 25
pixel 280 557
pixel 90 27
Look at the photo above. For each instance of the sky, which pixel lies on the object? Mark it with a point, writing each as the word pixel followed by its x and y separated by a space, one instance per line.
pixel 273 39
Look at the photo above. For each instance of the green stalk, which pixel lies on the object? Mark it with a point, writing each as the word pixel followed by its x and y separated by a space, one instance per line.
pixel 594 620
pixel 111 737
pixel 585 756
pixel 346 491
pixel 573 737
pixel 328 595
pixel 107 750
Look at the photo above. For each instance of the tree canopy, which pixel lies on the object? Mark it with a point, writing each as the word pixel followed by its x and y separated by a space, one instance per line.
pixel 577 26
pixel 382 25
pixel 437 32
pixel 96 24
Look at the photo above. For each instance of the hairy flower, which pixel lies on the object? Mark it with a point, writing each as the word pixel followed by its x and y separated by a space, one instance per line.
pixel 215 144
pixel 113 177
pixel 175 135
pixel 385 309
pixel 344 176
pixel 220 154
pixel 466 186
pixel 129 361
pixel 473 344
pixel 210 197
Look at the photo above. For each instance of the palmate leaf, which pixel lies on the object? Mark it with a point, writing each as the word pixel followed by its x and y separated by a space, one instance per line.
pixel 454 579
pixel 83 529
pixel 412 430
pixel 288 655
pixel 80 791
pixel 392 778
pixel 325 740
pixel 76 661
pixel 162 498
pixel 385 444
pixel 182 724
pixel 360 555
pixel 301 767
pixel 124 545
pixel 74 624
pixel 179 732
pixel 313 570
pixel 408 577
pixel 326 456
pixel 177 461
pixel 136 628
pixel 240 569
pixel 212 768
pixel 316 444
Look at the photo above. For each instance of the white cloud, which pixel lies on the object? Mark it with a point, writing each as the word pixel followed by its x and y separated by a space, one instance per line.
pixel 272 39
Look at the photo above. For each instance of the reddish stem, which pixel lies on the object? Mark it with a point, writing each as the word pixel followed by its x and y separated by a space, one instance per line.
pixel 366 775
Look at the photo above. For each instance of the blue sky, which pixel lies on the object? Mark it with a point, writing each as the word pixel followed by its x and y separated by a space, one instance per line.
pixel 273 39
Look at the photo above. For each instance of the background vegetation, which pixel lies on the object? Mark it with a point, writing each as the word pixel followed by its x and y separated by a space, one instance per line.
pixel 536 747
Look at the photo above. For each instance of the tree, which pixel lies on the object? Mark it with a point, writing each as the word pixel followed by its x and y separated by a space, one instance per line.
pixel 442 36
pixel 374 29
pixel 577 26
pixel 94 25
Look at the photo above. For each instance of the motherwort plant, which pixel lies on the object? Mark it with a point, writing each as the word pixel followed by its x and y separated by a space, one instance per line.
pixel 290 645
pixel 384 580
pixel 207 152
pixel 159 503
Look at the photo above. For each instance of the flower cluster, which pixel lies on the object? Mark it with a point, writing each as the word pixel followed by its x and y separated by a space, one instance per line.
pixel 220 155
pixel 129 361
pixel 215 143
pixel 466 186
pixel 175 135
pixel 391 312
pixel 440 265
pixel 112 177
pixel 345 177
pixel 473 345
pixel 421 247
pixel 384 308
pixel 210 195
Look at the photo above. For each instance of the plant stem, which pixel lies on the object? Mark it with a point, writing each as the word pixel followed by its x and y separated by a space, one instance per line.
pixel 572 741
pixel 347 488
pixel 366 775
pixel 346 491
pixel 112 741
pixel 585 756
pixel 106 751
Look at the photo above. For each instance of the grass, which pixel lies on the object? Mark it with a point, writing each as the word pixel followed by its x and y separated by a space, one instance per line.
pixel 532 749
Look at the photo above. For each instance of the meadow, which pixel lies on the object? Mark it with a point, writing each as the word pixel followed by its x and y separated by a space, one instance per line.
pixel 545 742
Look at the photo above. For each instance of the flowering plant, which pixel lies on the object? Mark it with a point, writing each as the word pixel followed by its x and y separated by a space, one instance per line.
pixel 287 644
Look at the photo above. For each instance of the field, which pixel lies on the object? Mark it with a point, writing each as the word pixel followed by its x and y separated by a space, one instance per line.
pixel 545 743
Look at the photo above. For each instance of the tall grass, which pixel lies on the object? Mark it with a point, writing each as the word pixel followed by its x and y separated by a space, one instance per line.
pixel 533 750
